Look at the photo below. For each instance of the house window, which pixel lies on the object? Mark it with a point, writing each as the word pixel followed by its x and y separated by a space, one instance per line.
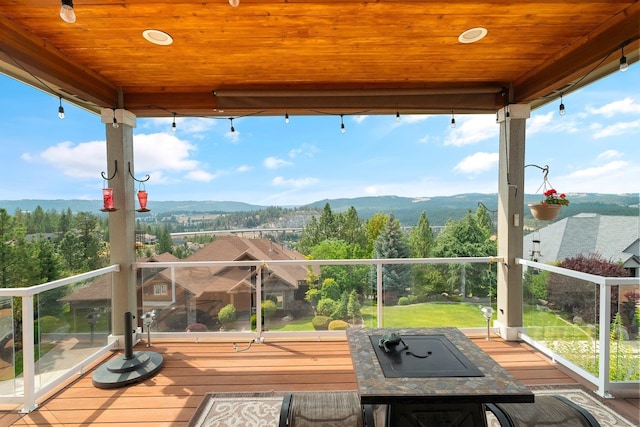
pixel 160 289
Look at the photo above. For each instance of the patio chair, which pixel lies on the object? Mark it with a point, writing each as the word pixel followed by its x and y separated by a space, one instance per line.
pixel 325 409
pixel 548 410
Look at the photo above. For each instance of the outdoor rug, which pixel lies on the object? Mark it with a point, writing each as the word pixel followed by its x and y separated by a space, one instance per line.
pixel 238 410
pixel 263 409
pixel 588 400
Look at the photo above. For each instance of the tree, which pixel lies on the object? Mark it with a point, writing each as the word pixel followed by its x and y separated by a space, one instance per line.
pixel 88 234
pixel 391 243
pixel 164 243
pixel 466 238
pixel 373 227
pixel 421 238
pixel 574 296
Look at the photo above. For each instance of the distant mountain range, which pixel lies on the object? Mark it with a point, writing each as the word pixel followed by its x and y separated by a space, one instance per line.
pixel 405 209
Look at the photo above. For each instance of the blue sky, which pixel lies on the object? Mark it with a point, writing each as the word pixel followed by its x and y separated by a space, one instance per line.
pixel 594 148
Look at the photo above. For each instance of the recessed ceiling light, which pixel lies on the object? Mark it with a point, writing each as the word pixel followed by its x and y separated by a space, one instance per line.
pixel 472 35
pixel 157 37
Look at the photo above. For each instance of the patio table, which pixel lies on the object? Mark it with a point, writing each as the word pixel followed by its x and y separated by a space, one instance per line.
pixel 434 376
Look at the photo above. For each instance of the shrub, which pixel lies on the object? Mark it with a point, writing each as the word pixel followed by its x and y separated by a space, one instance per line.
pixel 338 325
pixel 321 323
pixel 268 309
pixel 403 301
pixel 313 296
pixel 325 307
pixel 227 314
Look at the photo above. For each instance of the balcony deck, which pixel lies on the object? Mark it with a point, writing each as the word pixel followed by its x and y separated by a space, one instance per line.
pixel 192 369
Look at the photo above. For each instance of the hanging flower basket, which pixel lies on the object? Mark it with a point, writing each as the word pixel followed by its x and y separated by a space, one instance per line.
pixel 549 208
pixel 545 211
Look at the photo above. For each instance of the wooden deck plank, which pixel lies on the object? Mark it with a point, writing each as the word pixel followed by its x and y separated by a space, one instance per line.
pixel 192 369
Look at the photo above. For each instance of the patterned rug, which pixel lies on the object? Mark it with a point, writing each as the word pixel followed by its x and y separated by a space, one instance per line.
pixel 263 409
pixel 605 416
pixel 238 410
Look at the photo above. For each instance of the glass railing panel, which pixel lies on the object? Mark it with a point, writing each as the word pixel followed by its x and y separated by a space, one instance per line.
pixel 7 347
pixel 625 341
pixel 561 313
pixel 210 306
pixel 72 323
pixel 437 295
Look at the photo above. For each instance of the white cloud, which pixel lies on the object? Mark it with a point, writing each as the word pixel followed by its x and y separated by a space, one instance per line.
pixel 599 170
pixel 478 162
pixel 619 128
pixel 414 118
pixel 551 123
pixel 306 150
pixel 275 162
pixel 201 176
pixel 472 129
pixel 83 160
pixel 295 183
pixel 163 151
pixel 626 105
pixel 609 154
pixel 244 168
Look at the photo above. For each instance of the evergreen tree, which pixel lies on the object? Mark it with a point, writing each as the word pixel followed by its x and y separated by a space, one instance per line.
pixel 164 243
pixel 421 238
pixel 396 278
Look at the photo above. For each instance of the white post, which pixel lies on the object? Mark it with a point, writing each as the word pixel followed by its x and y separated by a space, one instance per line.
pixel 379 290
pixel 28 355
pixel 604 347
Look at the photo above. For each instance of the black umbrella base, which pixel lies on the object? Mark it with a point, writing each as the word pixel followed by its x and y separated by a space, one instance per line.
pixel 122 371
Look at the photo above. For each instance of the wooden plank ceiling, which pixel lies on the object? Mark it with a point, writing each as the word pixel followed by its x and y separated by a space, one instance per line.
pixel 308 56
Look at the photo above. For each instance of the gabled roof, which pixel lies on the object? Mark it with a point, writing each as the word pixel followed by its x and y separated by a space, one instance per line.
pixel 615 238
pixel 233 279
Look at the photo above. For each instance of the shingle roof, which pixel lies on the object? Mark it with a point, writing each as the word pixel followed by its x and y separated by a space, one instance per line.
pixel 615 238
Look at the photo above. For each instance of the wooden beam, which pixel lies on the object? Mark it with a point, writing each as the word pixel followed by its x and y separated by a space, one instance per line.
pixel 40 62
pixel 572 63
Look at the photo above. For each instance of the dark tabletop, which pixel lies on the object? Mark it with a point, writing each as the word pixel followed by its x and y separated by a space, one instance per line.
pixel 487 382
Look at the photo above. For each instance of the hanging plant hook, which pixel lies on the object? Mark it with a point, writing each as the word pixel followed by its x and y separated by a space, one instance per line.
pixel 146 178
pixel 115 171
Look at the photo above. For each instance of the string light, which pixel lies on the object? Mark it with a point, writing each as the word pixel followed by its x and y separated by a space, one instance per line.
pixel 233 130
pixel 342 128
pixel 562 110
pixel 173 125
pixel 115 121
pixel 453 121
pixel 623 61
pixel 67 13
pixel 61 109
pixel 286 117
pixel 397 116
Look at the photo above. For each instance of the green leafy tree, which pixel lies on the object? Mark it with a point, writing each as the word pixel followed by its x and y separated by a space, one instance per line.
pixel 353 306
pixel 466 238
pixel 71 250
pixel 348 276
pixel 331 289
pixel 373 227
pixel 92 244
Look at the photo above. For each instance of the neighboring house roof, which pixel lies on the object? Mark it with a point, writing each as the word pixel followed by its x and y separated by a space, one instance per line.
pixel 198 280
pixel 100 288
pixel 615 238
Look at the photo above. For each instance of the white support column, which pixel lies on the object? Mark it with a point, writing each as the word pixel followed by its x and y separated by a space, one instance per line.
pixel 122 221
pixel 512 121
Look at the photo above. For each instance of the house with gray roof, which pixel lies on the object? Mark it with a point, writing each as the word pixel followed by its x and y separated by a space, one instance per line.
pixel 614 238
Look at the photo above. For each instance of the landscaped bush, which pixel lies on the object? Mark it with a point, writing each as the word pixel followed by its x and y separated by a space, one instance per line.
pixel 227 314
pixel 338 325
pixel 403 301
pixel 325 307
pixel 321 323
pixel 268 309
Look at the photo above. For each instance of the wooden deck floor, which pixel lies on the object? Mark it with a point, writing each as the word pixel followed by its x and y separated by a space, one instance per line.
pixel 192 369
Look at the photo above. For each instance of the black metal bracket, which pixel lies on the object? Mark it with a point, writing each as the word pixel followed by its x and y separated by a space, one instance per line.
pixel 146 178
pixel 115 171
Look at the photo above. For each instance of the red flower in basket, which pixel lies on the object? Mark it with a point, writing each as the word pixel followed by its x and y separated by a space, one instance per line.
pixel 552 197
